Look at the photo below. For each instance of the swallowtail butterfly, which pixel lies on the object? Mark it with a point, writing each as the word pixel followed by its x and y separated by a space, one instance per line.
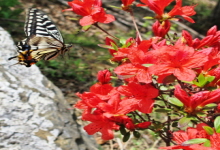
pixel 44 41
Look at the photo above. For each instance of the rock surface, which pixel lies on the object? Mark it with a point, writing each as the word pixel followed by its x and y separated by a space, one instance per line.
pixel 33 112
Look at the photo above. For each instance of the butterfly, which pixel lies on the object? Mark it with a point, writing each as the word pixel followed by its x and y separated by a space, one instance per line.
pixel 44 41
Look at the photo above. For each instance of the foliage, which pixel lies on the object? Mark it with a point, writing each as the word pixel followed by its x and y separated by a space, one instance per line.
pixel 9 15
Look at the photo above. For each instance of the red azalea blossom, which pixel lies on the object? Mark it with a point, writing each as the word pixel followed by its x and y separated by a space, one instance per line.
pixel 158 7
pixel 141 94
pixel 185 11
pixel 178 60
pixel 197 100
pixel 124 120
pixel 135 70
pixel 111 42
pixel 115 106
pixel 104 76
pixel 120 54
pixel 91 10
pixel 126 4
pixel 211 39
pixel 88 101
pixel 102 90
pixel 216 73
pixel 100 124
pixel 143 125
pixel 191 133
pixel 215 141
pixel 161 29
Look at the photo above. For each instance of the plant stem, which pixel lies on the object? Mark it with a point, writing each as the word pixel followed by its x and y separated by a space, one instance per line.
pixel 139 116
pixel 135 25
pixel 201 120
pixel 96 25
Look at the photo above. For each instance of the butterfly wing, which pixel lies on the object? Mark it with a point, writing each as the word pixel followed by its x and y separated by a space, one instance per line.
pixel 45 47
pixel 39 24
pixel 44 40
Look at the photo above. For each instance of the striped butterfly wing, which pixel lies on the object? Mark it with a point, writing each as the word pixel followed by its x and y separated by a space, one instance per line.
pixel 45 47
pixel 39 24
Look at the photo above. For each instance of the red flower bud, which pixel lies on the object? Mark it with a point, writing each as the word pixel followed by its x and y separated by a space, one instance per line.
pixel 143 125
pixel 161 29
pixel 104 76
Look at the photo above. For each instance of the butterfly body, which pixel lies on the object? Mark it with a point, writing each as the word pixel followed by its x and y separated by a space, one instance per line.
pixel 44 41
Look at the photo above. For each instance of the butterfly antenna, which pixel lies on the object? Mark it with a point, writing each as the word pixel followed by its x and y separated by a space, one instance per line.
pixel 12 57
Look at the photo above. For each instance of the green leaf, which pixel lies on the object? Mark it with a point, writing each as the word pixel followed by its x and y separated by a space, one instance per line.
pixel 122 130
pixel 115 7
pixel 85 28
pixel 195 141
pixel 163 110
pixel 105 46
pixel 208 130
pixel 126 137
pixel 74 19
pixel 174 124
pixel 148 17
pixel 175 101
pixel 122 41
pixel 207 144
pixel 210 78
pixel 115 47
pixel 209 106
pixel 203 80
pixel 217 124
pixel 184 122
pixel 136 134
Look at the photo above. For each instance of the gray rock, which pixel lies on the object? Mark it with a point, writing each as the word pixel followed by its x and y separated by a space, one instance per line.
pixel 33 112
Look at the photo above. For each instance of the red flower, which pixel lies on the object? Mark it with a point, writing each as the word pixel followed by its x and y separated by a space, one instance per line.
pixel 143 125
pixel 111 43
pixel 100 124
pixel 178 60
pixel 120 54
pixel 124 120
pixel 190 147
pixel 126 4
pixel 116 106
pixel 211 39
pixel 158 7
pixel 161 29
pixel 191 133
pixel 141 94
pixel 88 101
pixel 215 141
pixel 185 11
pixel 135 69
pixel 104 76
pixel 215 72
pixel 91 10
pixel 198 100
pixel 102 90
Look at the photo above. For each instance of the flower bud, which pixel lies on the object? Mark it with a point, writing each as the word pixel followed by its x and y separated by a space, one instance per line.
pixel 104 76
